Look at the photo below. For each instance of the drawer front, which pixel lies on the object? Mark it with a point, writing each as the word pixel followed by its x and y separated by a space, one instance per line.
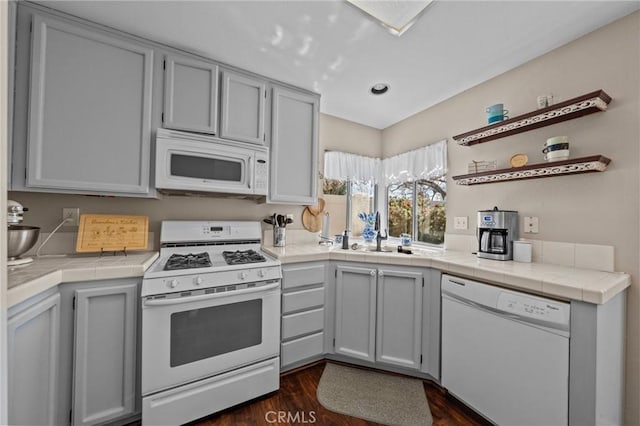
pixel 303 299
pixel 303 348
pixel 297 276
pixel 302 323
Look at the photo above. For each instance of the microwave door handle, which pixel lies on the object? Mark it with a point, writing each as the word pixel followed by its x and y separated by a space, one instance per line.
pixel 189 299
pixel 250 172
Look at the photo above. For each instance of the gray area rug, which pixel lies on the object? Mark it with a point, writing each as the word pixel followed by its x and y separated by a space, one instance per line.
pixel 378 397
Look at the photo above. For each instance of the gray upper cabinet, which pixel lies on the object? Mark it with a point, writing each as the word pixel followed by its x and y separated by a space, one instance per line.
pixel 89 117
pixel 355 334
pixel 243 108
pixel 399 318
pixel 190 94
pixel 33 351
pixel 294 147
pixel 104 373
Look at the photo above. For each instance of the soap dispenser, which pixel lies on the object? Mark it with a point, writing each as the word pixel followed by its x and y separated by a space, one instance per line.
pixel 345 240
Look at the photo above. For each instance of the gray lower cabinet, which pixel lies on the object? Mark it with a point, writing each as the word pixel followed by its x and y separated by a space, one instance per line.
pixel 242 105
pixel 87 125
pixel 33 356
pixel 303 313
pixel 294 147
pixel 104 368
pixel 378 315
pixel 355 333
pixel 190 94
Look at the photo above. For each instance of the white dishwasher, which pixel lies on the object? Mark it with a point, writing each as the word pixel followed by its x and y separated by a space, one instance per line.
pixel 506 353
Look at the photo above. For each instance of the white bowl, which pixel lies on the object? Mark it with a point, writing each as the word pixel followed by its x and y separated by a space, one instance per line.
pixel 556 139
pixel 561 154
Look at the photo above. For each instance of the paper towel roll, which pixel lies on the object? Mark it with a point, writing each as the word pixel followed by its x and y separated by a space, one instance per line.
pixel 325 226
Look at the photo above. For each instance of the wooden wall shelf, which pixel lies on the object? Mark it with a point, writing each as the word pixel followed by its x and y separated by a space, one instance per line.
pixel 594 163
pixel 573 108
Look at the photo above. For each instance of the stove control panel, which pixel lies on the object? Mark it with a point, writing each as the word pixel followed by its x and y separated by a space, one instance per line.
pixel 193 281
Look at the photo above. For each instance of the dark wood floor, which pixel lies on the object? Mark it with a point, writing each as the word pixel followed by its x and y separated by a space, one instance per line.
pixel 297 394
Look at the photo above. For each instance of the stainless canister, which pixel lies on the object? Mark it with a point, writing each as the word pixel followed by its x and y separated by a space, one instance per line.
pixel 279 236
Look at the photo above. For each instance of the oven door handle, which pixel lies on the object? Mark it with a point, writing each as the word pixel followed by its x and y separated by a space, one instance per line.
pixel 189 299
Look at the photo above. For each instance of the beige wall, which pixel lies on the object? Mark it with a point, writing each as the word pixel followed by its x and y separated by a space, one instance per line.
pixel 598 208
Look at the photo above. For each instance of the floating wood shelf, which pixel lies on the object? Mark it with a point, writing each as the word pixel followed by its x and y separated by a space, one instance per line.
pixel 594 163
pixel 573 108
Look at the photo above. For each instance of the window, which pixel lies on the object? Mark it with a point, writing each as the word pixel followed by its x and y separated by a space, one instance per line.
pixel 344 199
pixel 418 208
pixel 415 183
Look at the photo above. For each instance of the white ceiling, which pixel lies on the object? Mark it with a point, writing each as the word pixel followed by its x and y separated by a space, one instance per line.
pixel 335 49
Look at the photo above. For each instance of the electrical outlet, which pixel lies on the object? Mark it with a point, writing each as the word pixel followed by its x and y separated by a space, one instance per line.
pixel 531 225
pixel 72 213
pixel 460 222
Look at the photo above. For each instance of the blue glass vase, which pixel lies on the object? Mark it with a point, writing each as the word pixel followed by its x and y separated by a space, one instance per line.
pixel 369 234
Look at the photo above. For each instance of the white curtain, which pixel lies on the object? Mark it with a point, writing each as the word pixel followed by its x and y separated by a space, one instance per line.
pixel 429 162
pixel 342 166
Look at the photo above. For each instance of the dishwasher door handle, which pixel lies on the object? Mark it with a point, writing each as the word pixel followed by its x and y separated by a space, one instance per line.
pixel 482 307
pixel 558 329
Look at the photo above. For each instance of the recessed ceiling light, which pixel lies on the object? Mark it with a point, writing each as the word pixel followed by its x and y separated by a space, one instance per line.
pixel 395 15
pixel 379 88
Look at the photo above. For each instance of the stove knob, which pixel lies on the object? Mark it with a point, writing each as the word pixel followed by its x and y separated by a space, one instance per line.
pixel 261 273
pixel 199 280
pixel 173 283
pixel 242 275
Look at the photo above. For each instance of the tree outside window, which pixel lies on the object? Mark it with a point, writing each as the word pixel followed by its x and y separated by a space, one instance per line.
pixel 418 208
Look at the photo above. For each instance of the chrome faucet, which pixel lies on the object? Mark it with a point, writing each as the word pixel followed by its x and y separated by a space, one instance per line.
pixel 379 236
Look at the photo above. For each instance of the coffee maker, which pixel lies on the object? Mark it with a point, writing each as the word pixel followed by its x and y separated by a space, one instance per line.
pixel 497 229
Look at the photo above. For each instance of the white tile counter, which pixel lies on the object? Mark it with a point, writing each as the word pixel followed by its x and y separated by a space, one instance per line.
pixel 551 280
pixel 45 272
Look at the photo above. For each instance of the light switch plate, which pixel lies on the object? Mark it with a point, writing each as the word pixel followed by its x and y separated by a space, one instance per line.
pixel 531 225
pixel 460 222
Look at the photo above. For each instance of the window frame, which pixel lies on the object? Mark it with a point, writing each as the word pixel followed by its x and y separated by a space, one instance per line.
pixel 414 213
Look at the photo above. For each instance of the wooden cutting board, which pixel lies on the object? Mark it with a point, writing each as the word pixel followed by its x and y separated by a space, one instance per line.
pixel 310 221
pixel 105 232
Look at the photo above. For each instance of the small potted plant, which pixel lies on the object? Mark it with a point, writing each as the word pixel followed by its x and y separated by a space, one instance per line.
pixel 369 233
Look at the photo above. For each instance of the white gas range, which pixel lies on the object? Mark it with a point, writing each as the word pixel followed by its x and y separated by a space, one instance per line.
pixel 210 321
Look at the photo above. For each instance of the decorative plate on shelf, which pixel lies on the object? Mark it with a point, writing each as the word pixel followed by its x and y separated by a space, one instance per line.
pixel 519 160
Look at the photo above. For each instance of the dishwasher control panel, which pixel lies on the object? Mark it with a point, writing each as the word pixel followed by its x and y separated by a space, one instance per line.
pixel 531 307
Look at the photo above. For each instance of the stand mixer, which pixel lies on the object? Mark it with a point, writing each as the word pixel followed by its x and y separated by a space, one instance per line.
pixel 20 237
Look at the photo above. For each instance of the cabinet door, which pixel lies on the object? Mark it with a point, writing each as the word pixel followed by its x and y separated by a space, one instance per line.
pixel 356 312
pixel 294 148
pixel 243 102
pixel 399 315
pixel 32 340
pixel 89 110
pixel 104 376
pixel 190 95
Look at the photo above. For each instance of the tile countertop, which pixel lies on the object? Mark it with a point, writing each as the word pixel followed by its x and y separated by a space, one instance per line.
pixel 545 279
pixel 49 271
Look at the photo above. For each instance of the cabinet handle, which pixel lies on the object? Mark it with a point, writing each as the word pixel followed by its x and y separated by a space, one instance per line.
pixel 380 273
pixel 372 272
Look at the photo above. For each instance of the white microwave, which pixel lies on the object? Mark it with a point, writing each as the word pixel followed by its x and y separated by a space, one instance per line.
pixel 188 162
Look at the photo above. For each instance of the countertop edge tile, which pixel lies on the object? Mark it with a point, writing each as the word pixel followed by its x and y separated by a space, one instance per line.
pixel 22 292
pixel 562 282
pixel 51 271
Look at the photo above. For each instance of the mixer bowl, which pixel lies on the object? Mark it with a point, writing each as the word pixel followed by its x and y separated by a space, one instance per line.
pixel 20 239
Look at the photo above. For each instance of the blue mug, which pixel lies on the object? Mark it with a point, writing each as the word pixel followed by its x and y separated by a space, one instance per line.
pixel 496 113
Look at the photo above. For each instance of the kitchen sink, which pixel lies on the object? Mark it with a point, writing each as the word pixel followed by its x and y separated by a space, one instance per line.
pixel 383 250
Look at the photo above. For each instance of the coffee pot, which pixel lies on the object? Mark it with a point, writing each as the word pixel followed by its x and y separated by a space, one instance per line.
pixel 497 229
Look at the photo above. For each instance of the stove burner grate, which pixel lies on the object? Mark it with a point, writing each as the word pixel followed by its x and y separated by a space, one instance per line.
pixel 187 261
pixel 241 257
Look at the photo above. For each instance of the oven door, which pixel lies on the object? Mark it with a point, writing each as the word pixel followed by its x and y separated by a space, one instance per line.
pixel 204 166
pixel 187 337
